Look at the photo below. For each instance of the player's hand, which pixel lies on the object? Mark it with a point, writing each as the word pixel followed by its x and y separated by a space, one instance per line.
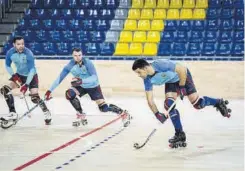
pixel 24 88
pixel 76 81
pixel 15 78
pixel 161 117
pixel 48 95
pixel 182 92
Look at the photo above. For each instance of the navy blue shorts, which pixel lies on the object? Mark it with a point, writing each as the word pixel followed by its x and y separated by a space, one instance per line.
pixel 34 82
pixel 94 93
pixel 189 85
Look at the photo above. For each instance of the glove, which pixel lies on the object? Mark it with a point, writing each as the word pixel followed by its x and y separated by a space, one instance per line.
pixel 182 92
pixel 76 82
pixel 15 78
pixel 161 117
pixel 48 95
pixel 24 88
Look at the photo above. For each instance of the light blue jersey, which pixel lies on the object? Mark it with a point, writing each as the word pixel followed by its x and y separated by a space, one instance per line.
pixel 86 72
pixel 24 63
pixel 165 73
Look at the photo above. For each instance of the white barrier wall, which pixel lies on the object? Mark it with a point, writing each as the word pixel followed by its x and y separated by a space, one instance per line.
pixel 212 78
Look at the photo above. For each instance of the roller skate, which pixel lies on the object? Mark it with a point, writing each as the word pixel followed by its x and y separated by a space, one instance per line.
pixel 221 106
pixel 126 118
pixel 9 120
pixel 178 140
pixel 81 119
pixel 47 117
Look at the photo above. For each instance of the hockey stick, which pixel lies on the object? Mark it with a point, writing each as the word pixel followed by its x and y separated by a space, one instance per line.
pixel 137 146
pixel 24 97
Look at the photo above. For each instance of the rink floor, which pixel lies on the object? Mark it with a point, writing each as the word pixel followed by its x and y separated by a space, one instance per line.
pixel 214 143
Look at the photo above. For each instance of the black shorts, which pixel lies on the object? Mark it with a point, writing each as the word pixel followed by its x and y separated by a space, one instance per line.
pixel 33 83
pixel 189 85
pixel 94 93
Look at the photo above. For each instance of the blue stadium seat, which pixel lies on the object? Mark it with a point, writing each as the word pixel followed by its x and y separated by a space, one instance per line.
pixel 63 48
pixel 212 25
pixel 107 14
pixel 60 25
pixel 212 13
pixel 41 36
pixel 97 36
pixel 93 14
pixel 194 49
pixel 80 14
pixel 54 14
pixel 29 13
pixel 98 4
pixel 227 4
pixel 113 4
pixel 77 45
pixel 239 4
pixel 61 4
pixel 68 36
pixel 49 4
pixel 48 24
pixel 225 36
pixel 239 13
pixel 196 36
pixel 102 25
pixel 23 24
pixel 82 36
pixel 198 25
pixel 73 4
pixel 181 36
pixel 168 36
pixel 88 24
pixel 209 49
pixel 28 35
pixel 239 25
pixel 66 14
pixel 36 4
pixel 179 49
pixel 54 36
pixel 223 49
pixel 214 3
pixel 237 49
pixel 107 49
pixel 35 24
pixel 74 24
pixel 49 48
pixel 185 25
pixel 164 49
pixel 92 49
pixel 41 14
pixel 226 13
pixel 238 36
pixel 84 4
pixel 170 25
pixel 226 24
pixel 6 47
pixel 36 48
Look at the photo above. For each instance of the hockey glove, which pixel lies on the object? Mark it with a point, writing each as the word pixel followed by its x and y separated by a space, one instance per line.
pixel 48 95
pixel 16 79
pixel 182 92
pixel 24 88
pixel 76 82
pixel 161 117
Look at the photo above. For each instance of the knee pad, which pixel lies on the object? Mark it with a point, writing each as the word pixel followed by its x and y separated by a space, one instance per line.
pixel 199 103
pixel 5 90
pixel 104 107
pixel 70 94
pixel 168 103
pixel 35 98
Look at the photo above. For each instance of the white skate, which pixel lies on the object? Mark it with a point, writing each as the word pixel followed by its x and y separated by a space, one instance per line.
pixel 126 117
pixel 47 117
pixel 81 119
pixel 8 121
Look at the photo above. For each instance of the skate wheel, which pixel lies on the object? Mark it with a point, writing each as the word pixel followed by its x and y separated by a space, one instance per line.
pixel 126 124
pixel 175 145
pixel 184 144
pixel 180 145
pixel 226 102
pixel 229 110
pixel 76 124
pixel 84 122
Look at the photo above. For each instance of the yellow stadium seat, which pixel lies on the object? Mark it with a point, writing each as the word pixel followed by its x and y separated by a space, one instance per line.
pixel 201 3
pixel 186 14
pixel 139 36
pixel 176 4
pixel 134 14
pixel 157 25
pixel 135 49
pixel 121 49
pixel 150 49
pixel 130 25
pixel 189 4
pixel 126 36
pixel 159 14
pixel 146 14
pixel 173 14
pixel 144 25
pixel 137 3
pixel 199 14
pixel 163 4
pixel 153 36
pixel 150 4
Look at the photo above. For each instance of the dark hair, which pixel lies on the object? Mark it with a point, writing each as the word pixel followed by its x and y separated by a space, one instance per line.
pixel 139 63
pixel 76 49
pixel 17 38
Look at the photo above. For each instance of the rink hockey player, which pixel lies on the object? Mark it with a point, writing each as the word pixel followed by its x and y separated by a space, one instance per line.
pixel 178 82
pixel 85 81
pixel 25 78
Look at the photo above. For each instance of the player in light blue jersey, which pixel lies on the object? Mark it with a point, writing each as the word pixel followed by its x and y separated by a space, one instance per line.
pixel 178 82
pixel 25 77
pixel 85 81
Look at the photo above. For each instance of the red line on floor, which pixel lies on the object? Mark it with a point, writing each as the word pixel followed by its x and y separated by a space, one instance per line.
pixel 64 145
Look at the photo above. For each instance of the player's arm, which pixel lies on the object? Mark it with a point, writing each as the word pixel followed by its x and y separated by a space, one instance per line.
pixel 8 63
pixel 182 72
pixel 93 74
pixel 30 66
pixel 150 101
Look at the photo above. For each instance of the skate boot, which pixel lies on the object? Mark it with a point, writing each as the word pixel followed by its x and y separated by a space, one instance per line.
pixel 126 118
pixel 178 140
pixel 81 119
pixel 9 120
pixel 115 109
pixel 47 117
pixel 221 106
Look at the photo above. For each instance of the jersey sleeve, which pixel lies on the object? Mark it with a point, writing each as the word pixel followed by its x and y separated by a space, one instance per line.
pixel 93 74
pixel 30 66
pixel 8 63
pixel 164 65
pixel 148 84
pixel 66 70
